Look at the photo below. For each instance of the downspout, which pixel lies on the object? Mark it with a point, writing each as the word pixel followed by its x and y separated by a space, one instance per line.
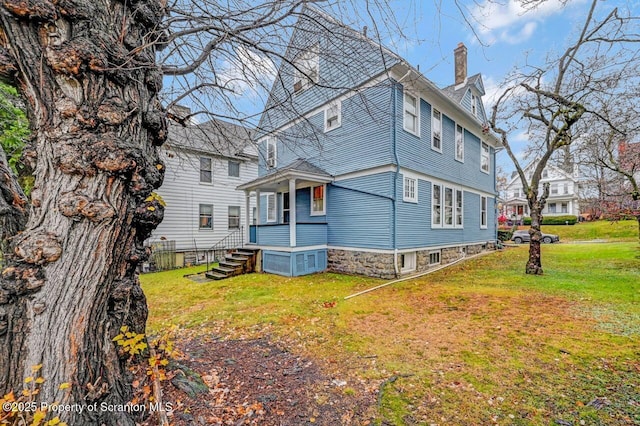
pixel 394 131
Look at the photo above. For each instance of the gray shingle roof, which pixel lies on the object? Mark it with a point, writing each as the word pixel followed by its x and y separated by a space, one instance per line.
pixel 214 137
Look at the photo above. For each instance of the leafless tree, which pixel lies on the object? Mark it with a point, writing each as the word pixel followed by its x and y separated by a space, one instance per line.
pixel 559 100
pixel 91 73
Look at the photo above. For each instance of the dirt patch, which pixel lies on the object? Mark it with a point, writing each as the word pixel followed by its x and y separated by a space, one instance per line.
pixel 256 382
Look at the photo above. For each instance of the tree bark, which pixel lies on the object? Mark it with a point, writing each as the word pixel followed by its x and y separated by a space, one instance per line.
pixel 536 205
pixel 87 70
pixel 13 205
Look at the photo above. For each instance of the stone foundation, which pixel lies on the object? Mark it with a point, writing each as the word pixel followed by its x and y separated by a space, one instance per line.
pixel 380 265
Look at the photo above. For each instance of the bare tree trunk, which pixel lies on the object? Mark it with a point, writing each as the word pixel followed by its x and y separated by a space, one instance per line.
pixel 86 69
pixel 13 205
pixel 536 205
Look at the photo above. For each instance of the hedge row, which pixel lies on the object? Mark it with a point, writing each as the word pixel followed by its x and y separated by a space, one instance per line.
pixel 555 220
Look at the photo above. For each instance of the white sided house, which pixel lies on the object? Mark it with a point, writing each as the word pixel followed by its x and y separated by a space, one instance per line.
pixel 563 194
pixel 204 165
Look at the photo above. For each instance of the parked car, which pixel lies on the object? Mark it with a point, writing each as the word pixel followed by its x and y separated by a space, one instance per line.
pixel 522 236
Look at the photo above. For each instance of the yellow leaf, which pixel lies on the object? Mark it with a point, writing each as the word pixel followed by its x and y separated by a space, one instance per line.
pixel 36 368
pixel 53 422
pixel 118 337
pixel 124 328
pixel 26 392
pixel 38 417
pixel 151 208
pixel 40 380
pixel 65 386
pixel 28 380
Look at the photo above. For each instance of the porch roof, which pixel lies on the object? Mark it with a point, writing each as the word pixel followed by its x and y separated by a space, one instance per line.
pixel 515 201
pixel 300 170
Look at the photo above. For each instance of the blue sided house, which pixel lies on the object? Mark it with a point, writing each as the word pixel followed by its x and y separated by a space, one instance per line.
pixel 365 166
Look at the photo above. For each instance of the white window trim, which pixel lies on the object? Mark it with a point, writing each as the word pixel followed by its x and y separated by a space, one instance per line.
pixel 488 156
pixel 454 207
pixel 210 182
pixel 338 105
pixel 416 131
pixel 435 127
pixel 405 197
pixel 410 262
pixel 474 105
pixel 306 77
pixel 485 211
pixel 459 158
pixel 324 201
pixel 203 228
pixel 239 217
pixel 271 202
pixel 272 141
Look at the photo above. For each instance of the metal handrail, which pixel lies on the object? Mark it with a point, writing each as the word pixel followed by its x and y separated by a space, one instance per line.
pixel 233 240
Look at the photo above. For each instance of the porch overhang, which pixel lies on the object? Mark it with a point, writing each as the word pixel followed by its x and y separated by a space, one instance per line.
pixel 300 171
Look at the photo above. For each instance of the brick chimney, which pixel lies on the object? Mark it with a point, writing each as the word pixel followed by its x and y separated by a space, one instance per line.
pixel 460 56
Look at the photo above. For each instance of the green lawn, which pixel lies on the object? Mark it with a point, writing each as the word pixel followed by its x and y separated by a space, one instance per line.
pixel 477 343
pixel 625 230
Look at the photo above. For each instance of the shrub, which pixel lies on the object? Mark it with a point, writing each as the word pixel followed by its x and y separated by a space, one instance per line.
pixel 560 220
pixel 554 220
pixel 504 234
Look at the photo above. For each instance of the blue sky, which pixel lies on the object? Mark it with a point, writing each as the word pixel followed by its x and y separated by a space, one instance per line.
pixel 499 35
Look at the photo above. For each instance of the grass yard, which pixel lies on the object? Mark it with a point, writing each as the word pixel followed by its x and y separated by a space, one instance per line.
pixel 478 343
pixel 624 230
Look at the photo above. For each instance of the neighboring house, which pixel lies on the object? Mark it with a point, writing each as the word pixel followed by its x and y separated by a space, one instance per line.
pixel 366 166
pixel 564 188
pixel 204 165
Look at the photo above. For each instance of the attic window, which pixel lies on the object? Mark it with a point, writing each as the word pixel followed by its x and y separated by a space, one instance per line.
pixel 474 105
pixel 333 116
pixel 272 153
pixel 306 69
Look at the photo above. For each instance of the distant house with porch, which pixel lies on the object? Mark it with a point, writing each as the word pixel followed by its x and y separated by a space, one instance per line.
pixel 365 165
pixel 563 193
pixel 204 165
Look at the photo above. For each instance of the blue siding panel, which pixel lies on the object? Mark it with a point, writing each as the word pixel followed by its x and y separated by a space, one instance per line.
pixel 311 234
pixel 357 218
pixel 415 153
pixel 273 235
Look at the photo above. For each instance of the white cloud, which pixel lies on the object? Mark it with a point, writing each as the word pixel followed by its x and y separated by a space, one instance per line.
pixel 249 73
pixel 511 22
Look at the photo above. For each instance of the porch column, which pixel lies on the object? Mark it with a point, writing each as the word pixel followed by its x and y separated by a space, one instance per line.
pixel 292 212
pixel 247 216
pixel 257 208
pixel 258 216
